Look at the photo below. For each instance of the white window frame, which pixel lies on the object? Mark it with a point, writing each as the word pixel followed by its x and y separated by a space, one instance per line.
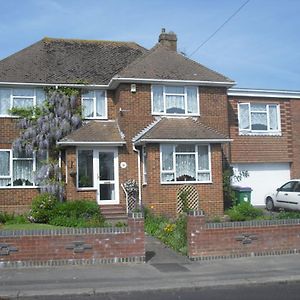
pixel 259 132
pixel 164 113
pixel 12 97
pixel 94 105
pixel 196 165
pixel 12 159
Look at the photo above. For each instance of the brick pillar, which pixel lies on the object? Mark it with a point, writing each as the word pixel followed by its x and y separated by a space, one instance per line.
pixel 195 222
pixel 136 225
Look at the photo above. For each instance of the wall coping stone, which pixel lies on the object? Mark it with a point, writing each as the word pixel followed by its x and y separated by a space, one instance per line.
pixel 254 223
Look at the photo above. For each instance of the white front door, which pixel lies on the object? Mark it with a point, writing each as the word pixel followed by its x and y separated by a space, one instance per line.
pixel 107 176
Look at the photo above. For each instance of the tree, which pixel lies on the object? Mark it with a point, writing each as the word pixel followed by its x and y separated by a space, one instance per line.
pixel 41 129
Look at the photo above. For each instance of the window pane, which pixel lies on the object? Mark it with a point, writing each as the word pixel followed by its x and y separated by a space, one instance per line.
pixel 106 166
pixel 192 105
pixel 158 99
pixel 22 102
pixel 4 101
pixel 203 161
pixel 175 104
pixel 185 167
pixel 100 103
pixel 174 90
pixel 203 176
pixel 185 148
pixel 5 182
pixel 22 154
pixel 4 163
pixel 258 107
pixel 22 172
pixel 167 177
pixel 41 159
pixel 244 122
pixel 167 157
pixel 40 96
pixel 273 117
pixel 85 168
pixel 23 92
pixel 107 192
pixel 259 121
pixel 88 94
pixel 88 108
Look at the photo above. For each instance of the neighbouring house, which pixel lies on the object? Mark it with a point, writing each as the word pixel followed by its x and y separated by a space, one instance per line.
pixel 154 116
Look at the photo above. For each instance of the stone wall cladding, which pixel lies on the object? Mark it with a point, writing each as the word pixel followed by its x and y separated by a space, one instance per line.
pixel 240 239
pixel 25 248
pixel 264 148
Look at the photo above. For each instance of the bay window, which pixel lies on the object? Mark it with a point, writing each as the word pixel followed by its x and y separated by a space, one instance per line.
pixel 94 104
pixel 18 168
pixel 259 117
pixel 185 162
pixel 20 98
pixel 175 100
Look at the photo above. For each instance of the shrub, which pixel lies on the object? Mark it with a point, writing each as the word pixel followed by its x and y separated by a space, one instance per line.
pixel 5 217
pixel 244 212
pixel 288 215
pixel 42 208
pixel 79 213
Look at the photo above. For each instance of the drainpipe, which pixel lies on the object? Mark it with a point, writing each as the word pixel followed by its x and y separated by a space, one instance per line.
pixel 139 173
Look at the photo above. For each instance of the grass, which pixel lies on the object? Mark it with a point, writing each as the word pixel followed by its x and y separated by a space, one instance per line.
pixel 28 226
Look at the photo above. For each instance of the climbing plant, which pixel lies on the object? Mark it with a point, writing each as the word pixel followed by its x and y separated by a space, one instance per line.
pixel 41 129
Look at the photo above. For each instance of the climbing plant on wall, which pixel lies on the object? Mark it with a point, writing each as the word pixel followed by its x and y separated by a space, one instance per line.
pixel 41 129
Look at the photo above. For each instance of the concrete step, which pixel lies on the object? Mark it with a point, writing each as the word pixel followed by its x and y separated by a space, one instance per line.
pixel 114 213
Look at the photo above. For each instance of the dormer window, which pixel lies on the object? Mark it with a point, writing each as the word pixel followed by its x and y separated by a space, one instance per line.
pixel 175 100
pixel 94 104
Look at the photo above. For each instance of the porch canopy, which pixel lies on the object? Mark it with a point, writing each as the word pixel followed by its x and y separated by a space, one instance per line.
pixel 95 133
pixel 172 130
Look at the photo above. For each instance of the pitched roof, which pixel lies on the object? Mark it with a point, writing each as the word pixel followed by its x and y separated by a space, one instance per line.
pixel 179 129
pixel 95 132
pixel 69 61
pixel 162 63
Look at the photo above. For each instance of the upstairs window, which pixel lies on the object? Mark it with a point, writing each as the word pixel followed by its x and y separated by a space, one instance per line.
pixel 20 98
pixel 259 118
pixel 185 163
pixel 175 100
pixel 94 104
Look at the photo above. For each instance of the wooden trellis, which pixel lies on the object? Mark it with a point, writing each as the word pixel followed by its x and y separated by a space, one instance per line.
pixel 192 198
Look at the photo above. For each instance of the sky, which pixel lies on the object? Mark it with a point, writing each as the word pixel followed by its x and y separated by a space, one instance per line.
pixel 258 48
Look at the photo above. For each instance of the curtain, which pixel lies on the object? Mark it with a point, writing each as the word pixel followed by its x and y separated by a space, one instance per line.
pixel 175 104
pixel 273 117
pixel 244 122
pixel 192 105
pixel 88 107
pixel 4 101
pixel 185 167
pixel 22 102
pixel 158 99
pixel 259 121
pixel 100 103
pixel 22 172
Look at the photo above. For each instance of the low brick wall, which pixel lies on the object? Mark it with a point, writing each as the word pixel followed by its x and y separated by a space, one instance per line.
pixel 239 239
pixel 26 248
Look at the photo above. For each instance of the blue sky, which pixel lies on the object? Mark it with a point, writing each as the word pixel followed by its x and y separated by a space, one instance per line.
pixel 258 48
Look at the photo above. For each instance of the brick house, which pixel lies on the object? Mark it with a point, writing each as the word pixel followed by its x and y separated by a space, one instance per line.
pixel 150 115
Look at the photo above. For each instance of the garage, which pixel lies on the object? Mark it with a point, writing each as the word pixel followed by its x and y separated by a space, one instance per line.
pixel 263 178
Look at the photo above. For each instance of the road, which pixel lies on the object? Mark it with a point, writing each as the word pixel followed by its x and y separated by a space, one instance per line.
pixel 277 291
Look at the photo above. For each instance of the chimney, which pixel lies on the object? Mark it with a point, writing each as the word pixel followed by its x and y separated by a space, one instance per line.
pixel 168 40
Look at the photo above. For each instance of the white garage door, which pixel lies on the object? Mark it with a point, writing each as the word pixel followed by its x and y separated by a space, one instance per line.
pixel 263 178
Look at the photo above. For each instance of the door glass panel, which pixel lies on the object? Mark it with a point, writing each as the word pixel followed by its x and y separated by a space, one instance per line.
pixel 107 192
pixel 106 166
pixel 85 168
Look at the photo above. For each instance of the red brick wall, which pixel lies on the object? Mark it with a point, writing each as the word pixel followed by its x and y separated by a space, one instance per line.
pixel 162 198
pixel 295 119
pixel 217 240
pixel 102 245
pixel 249 148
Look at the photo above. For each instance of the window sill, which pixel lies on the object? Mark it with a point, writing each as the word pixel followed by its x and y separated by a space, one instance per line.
pixel 186 182
pixel 96 118
pixel 87 189
pixel 18 187
pixel 176 115
pixel 260 133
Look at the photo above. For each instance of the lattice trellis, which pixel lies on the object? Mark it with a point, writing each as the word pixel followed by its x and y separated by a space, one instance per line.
pixel 132 201
pixel 192 198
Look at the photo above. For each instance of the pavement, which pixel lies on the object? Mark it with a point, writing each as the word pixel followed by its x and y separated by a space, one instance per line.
pixel 164 269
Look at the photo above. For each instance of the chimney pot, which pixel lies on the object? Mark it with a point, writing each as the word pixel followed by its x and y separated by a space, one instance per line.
pixel 168 40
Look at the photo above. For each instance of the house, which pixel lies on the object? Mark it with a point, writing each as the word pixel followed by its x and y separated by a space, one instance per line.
pixel 154 116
